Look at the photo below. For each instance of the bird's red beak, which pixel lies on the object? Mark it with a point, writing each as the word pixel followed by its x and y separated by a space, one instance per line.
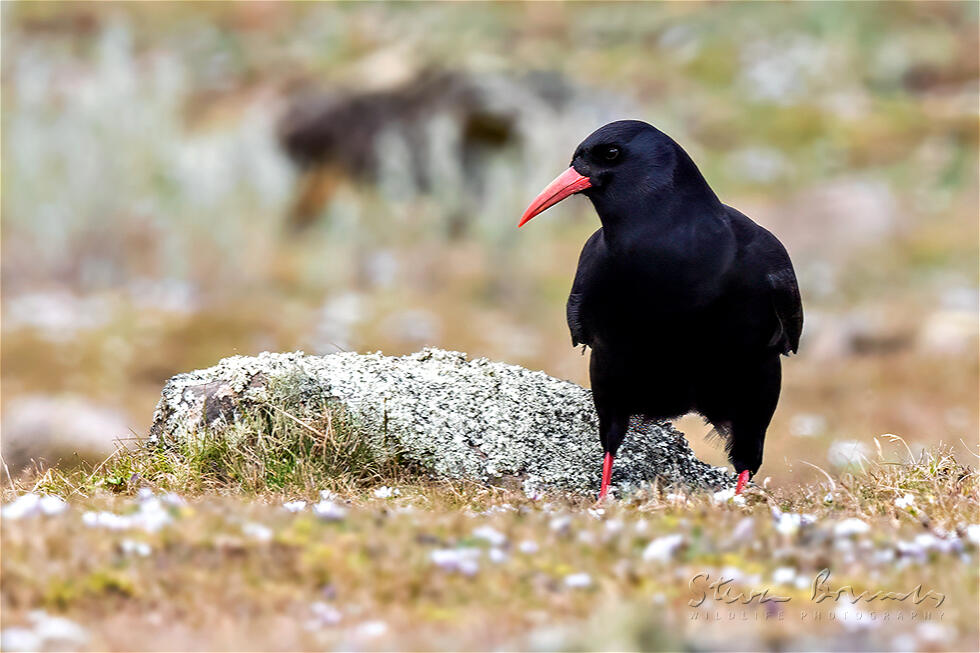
pixel 567 183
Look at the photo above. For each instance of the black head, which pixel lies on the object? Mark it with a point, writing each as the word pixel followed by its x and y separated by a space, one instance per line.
pixel 626 168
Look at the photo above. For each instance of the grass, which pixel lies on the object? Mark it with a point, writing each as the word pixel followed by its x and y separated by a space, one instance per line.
pixel 228 568
pixel 282 445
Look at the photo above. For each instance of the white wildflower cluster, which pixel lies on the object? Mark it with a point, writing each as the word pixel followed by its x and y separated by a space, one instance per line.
pixel 790 523
pixel 579 580
pixel 906 502
pixel 922 545
pixel 790 576
pixel 258 531
pixel 463 560
pixel 385 492
pixel 46 633
pixel 31 505
pixel 663 548
pixel 973 533
pixel 134 547
pixel 528 547
pixel 490 535
pixel 152 514
pixel 560 524
pixel 728 495
pixel 370 629
pixel 851 527
pixel 323 614
pixel 327 510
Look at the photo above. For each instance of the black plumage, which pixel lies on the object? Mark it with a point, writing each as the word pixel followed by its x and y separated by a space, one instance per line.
pixel 686 303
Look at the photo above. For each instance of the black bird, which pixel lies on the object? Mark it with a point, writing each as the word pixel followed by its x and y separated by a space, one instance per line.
pixel 686 303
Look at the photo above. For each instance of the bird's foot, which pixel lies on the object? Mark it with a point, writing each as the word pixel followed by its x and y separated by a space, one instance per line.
pixel 743 478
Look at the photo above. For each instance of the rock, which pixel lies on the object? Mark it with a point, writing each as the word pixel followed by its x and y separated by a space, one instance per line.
pixel 456 417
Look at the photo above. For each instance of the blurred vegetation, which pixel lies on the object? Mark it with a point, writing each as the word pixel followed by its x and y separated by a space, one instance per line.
pixel 245 571
pixel 144 195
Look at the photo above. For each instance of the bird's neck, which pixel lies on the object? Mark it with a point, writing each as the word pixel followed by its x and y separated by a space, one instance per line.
pixel 639 211
pixel 653 217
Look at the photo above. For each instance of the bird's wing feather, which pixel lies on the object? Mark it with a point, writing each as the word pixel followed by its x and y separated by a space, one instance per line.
pixel 785 295
pixel 789 308
pixel 763 248
pixel 575 310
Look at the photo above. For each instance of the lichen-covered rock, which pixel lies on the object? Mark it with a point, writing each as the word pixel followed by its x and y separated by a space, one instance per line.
pixel 459 418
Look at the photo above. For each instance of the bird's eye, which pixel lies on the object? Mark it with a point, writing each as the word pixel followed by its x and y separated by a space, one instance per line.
pixel 610 153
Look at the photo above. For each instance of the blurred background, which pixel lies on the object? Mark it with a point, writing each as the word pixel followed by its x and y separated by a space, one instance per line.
pixel 186 182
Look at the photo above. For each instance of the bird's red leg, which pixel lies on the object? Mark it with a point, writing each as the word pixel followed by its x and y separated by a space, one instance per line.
pixel 743 478
pixel 606 475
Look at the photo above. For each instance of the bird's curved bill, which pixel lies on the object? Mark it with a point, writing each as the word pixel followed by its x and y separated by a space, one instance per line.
pixel 567 183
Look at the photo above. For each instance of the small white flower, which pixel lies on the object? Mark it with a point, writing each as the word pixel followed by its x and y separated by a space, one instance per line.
pixel 973 533
pixel 784 575
pixel 613 526
pixel 490 535
pixel 258 531
pixel 497 556
pixel 371 629
pixel 20 639
pixel 673 497
pixel 464 560
pixel 929 542
pixel 144 494
pixel 329 511
pixel 294 506
pixel 828 498
pixel 578 581
pixel 385 492
pixel 560 524
pixel 722 496
pixel 152 516
pixel 26 505
pixel 57 633
pixel 586 537
pixel 596 513
pixel 662 549
pixel 852 526
pixel 906 502
pixel 641 526
pixel 51 505
pixel 528 547
pixel 327 495
pixel 173 499
pixel 325 614
pixel 105 519
pixel 132 547
pixel 789 523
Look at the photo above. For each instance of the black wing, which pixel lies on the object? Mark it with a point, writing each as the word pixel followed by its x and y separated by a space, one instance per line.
pixel 575 310
pixel 789 308
pixel 763 248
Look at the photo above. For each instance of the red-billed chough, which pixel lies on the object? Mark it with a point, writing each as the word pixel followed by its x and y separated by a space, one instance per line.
pixel 686 303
